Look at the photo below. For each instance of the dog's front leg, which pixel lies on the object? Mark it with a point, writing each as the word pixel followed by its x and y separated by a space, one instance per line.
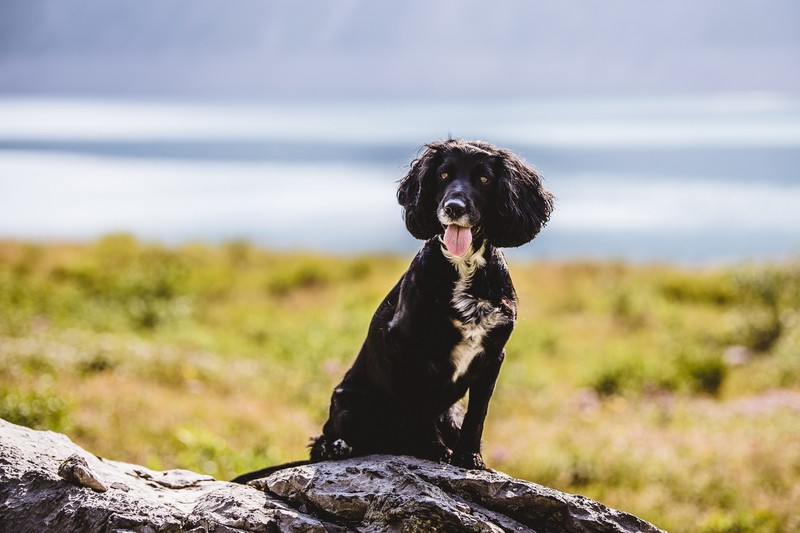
pixel 426 441
pixel 468 449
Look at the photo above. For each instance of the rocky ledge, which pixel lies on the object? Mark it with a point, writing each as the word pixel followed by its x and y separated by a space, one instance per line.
pixel 47 483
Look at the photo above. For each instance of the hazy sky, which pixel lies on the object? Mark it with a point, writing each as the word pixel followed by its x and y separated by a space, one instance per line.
pixel 369 48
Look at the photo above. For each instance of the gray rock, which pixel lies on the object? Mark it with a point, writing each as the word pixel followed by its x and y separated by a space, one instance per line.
pixel 367 494
pixel 76 470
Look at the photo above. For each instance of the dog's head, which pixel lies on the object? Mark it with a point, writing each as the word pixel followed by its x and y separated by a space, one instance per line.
pixel 466 189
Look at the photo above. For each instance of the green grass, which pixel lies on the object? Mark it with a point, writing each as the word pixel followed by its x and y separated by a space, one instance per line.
pixel 671 393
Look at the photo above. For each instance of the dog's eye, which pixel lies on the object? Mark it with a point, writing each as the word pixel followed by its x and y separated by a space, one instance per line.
pixel 443 175
pixel 484 179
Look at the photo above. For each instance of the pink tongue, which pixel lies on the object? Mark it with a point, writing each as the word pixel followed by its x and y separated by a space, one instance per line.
pixel 457 239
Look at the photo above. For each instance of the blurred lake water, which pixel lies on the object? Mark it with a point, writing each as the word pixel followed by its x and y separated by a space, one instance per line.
pixel 692 179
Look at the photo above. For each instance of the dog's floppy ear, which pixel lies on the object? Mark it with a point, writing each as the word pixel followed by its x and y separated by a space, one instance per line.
pixel 417 194
pixel 523 204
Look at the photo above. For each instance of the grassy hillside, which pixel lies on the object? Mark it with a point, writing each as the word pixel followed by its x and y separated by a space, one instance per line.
pixel 670 393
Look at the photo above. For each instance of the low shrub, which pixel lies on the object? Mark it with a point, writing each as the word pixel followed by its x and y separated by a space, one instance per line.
pixel 34 409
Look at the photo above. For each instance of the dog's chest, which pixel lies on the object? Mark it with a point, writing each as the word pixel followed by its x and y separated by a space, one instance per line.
pixel 476 317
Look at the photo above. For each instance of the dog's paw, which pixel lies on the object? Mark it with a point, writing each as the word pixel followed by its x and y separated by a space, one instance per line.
pixel 445 455
pixel 341 449
pixel 438 452
pixel 472 461
pixel 324 450
pixel 337 449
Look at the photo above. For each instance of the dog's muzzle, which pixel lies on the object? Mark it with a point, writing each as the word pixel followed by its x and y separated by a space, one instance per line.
pixel 454 214
pixel 455 209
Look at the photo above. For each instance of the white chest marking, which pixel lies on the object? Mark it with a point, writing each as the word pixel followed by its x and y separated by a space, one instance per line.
pixel 477 316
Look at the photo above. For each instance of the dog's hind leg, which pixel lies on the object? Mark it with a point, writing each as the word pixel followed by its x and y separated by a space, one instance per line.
pixel 357 425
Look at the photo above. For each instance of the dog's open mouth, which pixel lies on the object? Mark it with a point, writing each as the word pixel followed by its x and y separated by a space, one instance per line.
pixel 457 239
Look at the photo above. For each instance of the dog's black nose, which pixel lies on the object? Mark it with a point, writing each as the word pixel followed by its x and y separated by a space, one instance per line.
pixel 454 208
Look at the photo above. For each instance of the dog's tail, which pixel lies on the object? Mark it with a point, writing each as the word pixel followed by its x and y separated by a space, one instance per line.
pixel 320 451
pixel 264 472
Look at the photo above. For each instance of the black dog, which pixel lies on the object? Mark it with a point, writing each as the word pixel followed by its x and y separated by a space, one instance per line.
pixel 442 329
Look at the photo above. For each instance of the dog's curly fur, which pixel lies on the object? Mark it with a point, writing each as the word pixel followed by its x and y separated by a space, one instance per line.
pixel 441 331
